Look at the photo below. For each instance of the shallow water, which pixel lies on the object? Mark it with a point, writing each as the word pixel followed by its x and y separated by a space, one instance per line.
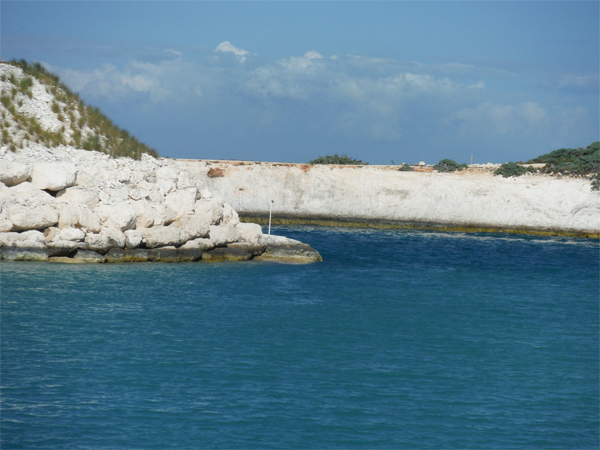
pixel 399 339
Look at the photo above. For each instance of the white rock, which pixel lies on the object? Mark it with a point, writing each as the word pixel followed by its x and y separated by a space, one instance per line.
pixel 5 223
pixel 97 242
pixel 164 236
pixel 79 196
pixel 27 217
pixel 9 239
pixel 118 193
pixel 72 234
pixel 53 176
pixel 120 215
pixel 249 232
pixel 163 215
pixel 229 215
pixel 144 212
pixel 134 238
pixel 166 173
pixel 196 226
pixel 26 193
pixel 182 201
pixel 32 238
pixel 51 234
pixel 13 173
pixel 209 208
pixel 200 243
pixel 78 217
pixel 223 234
pixel 116 237
pixel 271 239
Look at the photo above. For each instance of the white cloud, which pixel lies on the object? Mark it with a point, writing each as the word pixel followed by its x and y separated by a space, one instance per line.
pixel 228 47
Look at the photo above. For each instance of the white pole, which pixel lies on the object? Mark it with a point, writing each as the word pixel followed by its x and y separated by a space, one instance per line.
pixel 270 204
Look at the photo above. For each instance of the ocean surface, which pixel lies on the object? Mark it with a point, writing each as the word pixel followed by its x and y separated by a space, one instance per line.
pixel 399 339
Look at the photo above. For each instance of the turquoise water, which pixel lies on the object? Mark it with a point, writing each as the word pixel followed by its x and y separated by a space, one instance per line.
pixel 399 339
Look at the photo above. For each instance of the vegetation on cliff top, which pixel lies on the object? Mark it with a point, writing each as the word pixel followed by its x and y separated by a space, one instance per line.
pixel 448 165
pixel 338 159
pixel 83 126
pixel 565 161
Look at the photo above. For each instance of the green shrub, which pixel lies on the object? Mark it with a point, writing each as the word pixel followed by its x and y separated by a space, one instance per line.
pixel 405 168
pixel 510 169
pixel 447 165
pixel 337 159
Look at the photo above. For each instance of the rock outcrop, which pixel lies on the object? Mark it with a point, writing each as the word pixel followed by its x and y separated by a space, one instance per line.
pixel 77 206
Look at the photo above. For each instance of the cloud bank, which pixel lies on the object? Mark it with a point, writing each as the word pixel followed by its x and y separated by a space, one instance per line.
pixel 384 103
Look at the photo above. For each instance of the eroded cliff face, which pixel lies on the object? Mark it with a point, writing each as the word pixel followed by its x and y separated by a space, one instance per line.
pixel 471 199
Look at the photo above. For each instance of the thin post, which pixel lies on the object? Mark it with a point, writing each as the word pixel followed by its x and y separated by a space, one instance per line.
pixel 471 159
pixel 270 204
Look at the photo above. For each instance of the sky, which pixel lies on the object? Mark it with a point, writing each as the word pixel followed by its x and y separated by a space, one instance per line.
pixel 383 82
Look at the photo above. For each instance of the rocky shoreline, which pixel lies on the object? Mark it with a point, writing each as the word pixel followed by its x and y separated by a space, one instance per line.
pixel 75 206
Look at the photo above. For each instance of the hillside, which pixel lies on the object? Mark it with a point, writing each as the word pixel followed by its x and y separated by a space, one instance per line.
pixel 37 108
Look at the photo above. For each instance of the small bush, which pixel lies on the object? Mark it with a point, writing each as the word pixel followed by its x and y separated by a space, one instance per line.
pixel 447 165
pixel 337 159
pixel 510 169
pixel 406 168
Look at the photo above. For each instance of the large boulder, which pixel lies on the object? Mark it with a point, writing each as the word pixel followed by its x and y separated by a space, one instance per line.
pixel 30 217
pixel 209 208
pixel 71 234
pixel 116 238
pixel 144 212
pixel 223 234
pixel 195 226
pixel 163 215
pixel 78 217
pixel 53 176
pixel 98 243
pixel 120 215
pixel 13 173
pixel 200 244
pixel 134 238
pixel 282 249
pixel 229 215
pixel 5 223
pixel 249 232
pixel 166 179
pixel 79 196
pixel 164 236
pixel 182 201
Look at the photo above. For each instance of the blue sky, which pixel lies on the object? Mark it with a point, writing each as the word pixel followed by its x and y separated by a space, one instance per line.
pixel 289 81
